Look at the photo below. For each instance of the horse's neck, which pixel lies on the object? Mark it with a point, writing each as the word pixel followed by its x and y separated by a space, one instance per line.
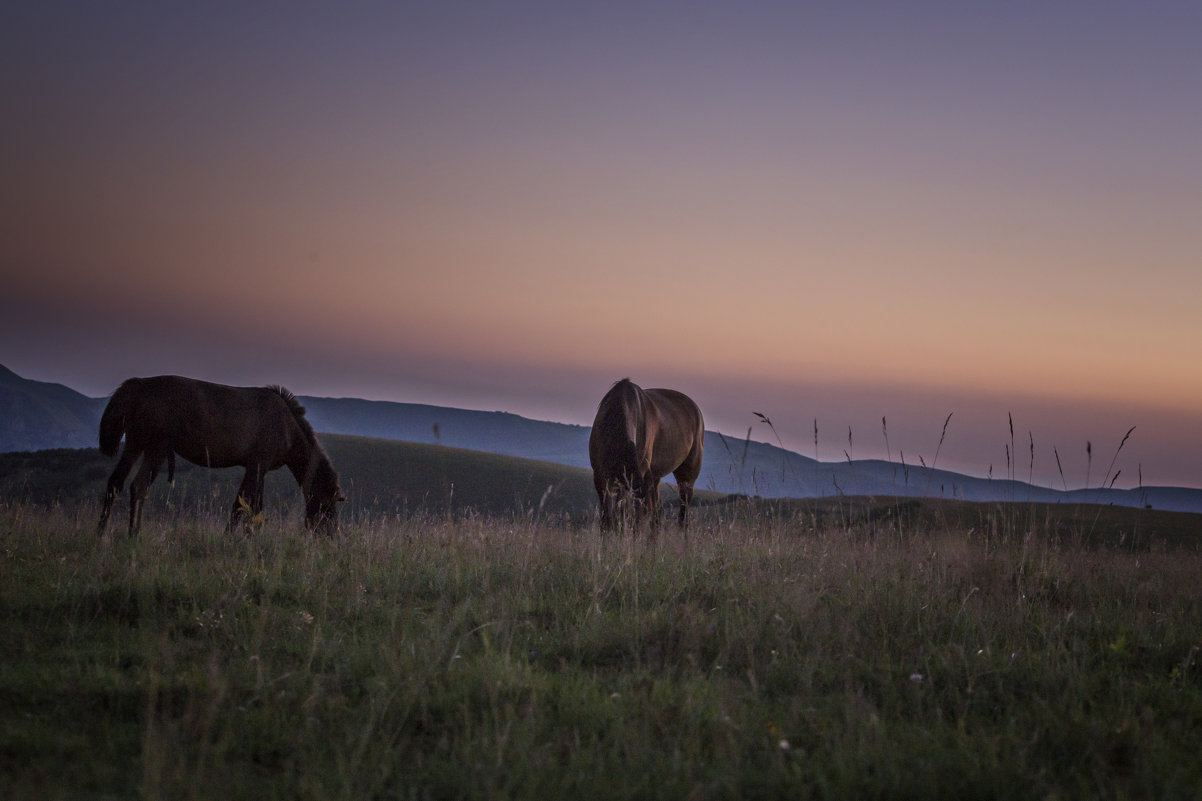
pixel 303 464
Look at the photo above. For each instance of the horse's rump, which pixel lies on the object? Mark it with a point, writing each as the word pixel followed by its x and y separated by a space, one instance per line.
pixel 116 412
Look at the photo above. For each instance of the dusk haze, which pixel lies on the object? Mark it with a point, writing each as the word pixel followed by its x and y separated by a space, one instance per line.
pixel 854 219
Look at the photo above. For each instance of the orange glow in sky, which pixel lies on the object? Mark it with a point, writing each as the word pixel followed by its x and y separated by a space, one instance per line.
pixel 824 212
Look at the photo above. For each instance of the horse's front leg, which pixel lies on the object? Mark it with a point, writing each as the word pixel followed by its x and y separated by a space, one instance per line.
pixel 250 497
pixel 605 502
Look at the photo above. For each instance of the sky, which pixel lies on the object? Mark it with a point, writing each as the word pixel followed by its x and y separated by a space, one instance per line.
pixel 853 217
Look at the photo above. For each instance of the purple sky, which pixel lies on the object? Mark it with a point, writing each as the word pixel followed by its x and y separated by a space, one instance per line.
pixel 836 213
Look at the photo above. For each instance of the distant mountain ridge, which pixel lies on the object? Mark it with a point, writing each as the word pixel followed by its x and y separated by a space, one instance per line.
pixel 37 415
pixel 493 432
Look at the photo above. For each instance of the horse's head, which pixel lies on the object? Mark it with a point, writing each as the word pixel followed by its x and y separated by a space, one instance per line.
pixel 322 498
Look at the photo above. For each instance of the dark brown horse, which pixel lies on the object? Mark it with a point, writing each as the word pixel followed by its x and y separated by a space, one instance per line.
pixel 213 425
pixel 639 436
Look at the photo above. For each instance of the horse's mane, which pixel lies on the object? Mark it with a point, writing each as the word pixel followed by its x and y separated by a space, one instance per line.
pixel 624 385
pixel 298 411
pixel 319 460
pixel 614 412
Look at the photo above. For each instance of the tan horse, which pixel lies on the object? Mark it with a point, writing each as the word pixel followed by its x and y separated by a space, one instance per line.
pixel 638 437
pixel 213 425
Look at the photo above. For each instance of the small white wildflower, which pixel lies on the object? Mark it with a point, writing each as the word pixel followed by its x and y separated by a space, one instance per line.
pixel 916 678
pixel 784 745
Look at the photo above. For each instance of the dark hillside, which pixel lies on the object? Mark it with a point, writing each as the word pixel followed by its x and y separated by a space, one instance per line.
pixel 388 478
pixel 381 478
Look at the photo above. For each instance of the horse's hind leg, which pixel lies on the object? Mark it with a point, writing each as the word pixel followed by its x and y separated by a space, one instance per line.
pixel 116 483
pixel 138 489
pixel 607 504
pixel 686 475
pixel 686 500
pixel 651 504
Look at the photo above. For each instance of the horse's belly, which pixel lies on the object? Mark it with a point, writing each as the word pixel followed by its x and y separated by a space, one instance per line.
pixel 210 458
pixel 664 462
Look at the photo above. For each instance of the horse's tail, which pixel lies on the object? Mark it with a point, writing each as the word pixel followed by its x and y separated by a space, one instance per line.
pixel 112 422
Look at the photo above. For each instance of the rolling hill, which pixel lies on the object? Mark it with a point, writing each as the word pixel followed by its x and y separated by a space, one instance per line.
pixel 731 466
pixel 381 478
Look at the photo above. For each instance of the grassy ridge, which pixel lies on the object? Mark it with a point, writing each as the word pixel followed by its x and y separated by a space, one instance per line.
pixel 383 477
pixel 380 477
pixel 826 653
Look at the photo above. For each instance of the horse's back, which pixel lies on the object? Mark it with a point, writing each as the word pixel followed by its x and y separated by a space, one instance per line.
pixel 210 424
pixel 157 405
pixel 676 405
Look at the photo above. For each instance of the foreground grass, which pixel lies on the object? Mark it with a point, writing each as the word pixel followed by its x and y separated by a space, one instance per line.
pixel 422 658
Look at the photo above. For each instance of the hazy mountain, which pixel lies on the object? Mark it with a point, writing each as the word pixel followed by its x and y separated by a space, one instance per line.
pixel 493 432
pixel 35 415
pixel 731 465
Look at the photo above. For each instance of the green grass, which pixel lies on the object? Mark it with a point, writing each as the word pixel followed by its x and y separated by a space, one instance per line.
pixel 824 651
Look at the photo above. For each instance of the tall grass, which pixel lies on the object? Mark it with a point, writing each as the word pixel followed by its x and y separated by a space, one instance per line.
pixel 781 653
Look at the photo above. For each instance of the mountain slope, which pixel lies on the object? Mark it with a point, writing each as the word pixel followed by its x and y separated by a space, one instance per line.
pixel 493 432
pixel 731 465
pixel 35 415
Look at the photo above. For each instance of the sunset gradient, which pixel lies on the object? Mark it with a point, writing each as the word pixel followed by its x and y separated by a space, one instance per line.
pixel 822 213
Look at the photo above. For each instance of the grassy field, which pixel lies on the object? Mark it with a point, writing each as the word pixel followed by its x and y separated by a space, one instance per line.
pixel 833 649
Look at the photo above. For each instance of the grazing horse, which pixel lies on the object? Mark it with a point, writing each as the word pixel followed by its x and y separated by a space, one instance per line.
pixel 213 425
pixel 638 437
